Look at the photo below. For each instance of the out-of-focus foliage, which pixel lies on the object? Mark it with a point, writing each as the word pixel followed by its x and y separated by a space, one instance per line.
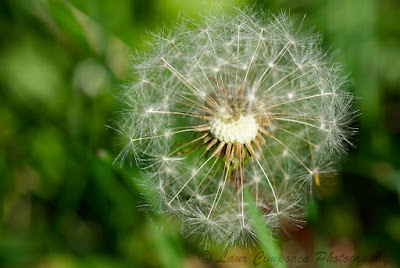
pixel 62 201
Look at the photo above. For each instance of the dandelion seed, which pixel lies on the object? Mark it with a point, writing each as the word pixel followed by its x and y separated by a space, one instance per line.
pixel 238 104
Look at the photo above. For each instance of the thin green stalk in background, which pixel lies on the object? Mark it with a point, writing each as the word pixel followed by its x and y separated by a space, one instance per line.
pixel 270 246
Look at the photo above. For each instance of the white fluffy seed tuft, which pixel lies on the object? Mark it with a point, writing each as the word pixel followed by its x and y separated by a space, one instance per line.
pixel 238 102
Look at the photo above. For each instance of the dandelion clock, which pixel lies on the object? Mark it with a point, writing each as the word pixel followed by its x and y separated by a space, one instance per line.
pixel 242 102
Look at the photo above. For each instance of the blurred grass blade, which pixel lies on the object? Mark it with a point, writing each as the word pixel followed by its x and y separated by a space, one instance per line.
pixel 269 245
pixel 71 24
pixel 168 252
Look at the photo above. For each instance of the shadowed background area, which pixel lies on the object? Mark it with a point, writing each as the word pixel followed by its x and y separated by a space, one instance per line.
pixel 63 203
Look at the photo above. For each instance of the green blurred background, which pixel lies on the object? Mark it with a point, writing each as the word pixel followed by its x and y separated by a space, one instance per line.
pixel 64 204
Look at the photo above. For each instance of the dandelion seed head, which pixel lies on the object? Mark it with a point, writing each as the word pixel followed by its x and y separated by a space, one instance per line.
pixel 232 104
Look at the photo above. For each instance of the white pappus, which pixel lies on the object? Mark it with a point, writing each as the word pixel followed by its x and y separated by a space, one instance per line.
pixel 239 102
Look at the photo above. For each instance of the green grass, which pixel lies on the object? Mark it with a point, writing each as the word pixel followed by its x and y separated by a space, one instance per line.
pixel 62 201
